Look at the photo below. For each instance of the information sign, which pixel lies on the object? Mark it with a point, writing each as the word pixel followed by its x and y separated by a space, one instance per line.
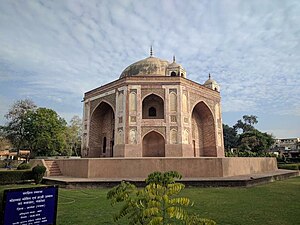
pixel 30 206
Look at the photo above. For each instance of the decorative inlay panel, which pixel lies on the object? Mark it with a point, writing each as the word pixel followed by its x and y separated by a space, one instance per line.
pixel 132 136
pixel 120 100
pixel 173 119
pixel 132 100
pixel 120 119
pixel 184 103
pixel 133 119
pixel 173 102
pixel 173 90
pixel 185 136
pixel 120 136
pixel 173 136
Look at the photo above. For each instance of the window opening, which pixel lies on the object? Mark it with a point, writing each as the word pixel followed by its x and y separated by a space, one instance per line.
pixel 152 111
pixel 104 145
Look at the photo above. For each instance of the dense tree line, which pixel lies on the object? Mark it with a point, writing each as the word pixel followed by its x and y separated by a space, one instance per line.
pixel 243 137
pixel 40 130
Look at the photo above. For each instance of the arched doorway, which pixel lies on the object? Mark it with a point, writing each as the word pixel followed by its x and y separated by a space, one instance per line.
pixel 203 131
pixel 153 145
pixel 102 127
pixel 153 107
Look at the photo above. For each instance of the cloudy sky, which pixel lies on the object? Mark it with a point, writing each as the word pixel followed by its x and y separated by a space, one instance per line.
pixel 54 51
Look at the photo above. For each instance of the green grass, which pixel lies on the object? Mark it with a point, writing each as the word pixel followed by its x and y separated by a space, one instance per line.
pixel 275 203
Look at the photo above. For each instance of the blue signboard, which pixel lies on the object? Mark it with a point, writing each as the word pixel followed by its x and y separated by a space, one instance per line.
pixel 30 206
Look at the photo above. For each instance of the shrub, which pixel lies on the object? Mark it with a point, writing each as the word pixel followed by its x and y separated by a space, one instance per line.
pixel 38 173
pixel 293 160
pixel 249 154
pixel 289 166
pixel 24 166
pixel 158 203
pixel 3 163
pixel 15 176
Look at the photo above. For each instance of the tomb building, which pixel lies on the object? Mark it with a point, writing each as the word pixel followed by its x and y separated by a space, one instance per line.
pixel 153 110
pixel 153 118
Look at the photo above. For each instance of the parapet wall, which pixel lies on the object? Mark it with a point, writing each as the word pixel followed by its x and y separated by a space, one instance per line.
pixel 139 168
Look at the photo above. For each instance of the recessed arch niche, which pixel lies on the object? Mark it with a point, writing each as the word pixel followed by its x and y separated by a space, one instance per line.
pixel 102 131
pixel 153 107
pixel 153 145
pixel 203 131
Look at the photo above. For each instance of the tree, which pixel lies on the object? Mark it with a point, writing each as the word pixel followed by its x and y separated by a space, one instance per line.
pixel 4 143
pixel 255 141
pixel 158 203
pixel 250 119
pixel 247 124
pixel 73 135
pixel 45 132
pixel 250 139
pixel 14 130
pixel 230 137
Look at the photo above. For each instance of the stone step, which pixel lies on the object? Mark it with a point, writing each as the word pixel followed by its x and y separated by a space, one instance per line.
pixel 53 168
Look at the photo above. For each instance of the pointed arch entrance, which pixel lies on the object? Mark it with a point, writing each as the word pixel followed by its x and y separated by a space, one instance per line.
pixel 153 107
pixel 203 131
pixel 102 127
pixel 153 145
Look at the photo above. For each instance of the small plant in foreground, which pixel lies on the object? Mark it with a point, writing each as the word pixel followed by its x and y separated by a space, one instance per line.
pixel 157 203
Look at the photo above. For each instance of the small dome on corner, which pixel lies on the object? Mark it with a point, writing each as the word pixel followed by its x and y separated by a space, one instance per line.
pixel 212 84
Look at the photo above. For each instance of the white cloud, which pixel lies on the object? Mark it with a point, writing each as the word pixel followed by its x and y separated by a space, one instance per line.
pixel 284 133
pixel 68 47
pixel 55 98
pixel 4 107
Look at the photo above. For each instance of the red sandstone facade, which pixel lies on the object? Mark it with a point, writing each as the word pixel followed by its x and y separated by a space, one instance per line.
pixel 153 110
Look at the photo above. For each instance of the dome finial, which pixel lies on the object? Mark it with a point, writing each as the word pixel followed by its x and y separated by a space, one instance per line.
pixel 151 51
pixel 174 58
pixel 209 76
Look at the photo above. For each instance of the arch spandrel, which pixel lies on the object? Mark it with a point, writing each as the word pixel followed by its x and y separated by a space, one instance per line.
pixel 156 91
pixel 110 99
pixel 160 130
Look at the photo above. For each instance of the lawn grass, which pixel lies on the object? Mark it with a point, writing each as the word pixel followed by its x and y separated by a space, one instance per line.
pixel 275 203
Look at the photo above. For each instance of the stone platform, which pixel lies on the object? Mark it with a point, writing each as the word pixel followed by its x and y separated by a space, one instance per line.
pixel 199 171
pixel 140 168
pixel 234 181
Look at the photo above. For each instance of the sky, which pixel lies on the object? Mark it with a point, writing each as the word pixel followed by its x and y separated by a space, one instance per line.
pixel 54 51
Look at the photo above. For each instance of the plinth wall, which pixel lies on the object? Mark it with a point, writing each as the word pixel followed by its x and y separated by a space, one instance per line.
pixel 140 168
